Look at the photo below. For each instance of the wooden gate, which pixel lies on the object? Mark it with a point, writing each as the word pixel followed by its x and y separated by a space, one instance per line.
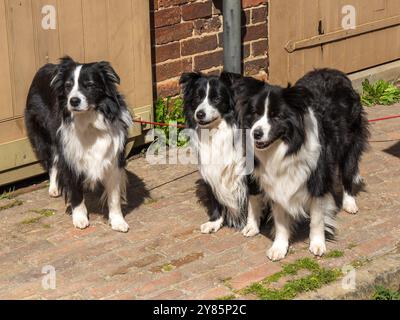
pixel 87 30
pixel 305 34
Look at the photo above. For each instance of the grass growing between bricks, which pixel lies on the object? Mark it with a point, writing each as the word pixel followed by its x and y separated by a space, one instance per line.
pixel 43 213
pixel 334 254
pixel 11 204
pixel 7 195
pixel 382 293
pixel 316 278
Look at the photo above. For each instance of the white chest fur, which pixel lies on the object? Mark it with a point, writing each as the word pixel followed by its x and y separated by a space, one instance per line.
pixel 91 146
pixel 222 164
pixel 284 178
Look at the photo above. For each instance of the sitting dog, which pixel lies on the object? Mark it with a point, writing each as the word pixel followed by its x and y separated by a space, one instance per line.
pixel 231 193
pixel 303 135
pixel 77 123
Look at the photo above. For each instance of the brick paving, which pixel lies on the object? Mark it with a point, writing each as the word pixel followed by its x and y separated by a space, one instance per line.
pixel 164 256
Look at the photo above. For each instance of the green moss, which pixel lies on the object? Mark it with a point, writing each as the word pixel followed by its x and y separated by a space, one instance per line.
pixel 227 282
pixel 274 278
pixel 149 201
pixel 360 262
pixel 45 212
pixel 31 220
pixel 12 204
pixel 7 195
pixel 334 254
pixel 318 277
pixel 382 293
pixel 306 263
pixel 168 268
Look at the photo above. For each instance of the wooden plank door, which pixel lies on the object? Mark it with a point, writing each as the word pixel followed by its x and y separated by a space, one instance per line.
pixel 87 30
pixel 307 34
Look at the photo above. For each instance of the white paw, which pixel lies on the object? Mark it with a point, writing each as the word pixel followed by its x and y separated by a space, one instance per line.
pixel 349 204
pixel 250 230
pixel 119 224
pixel 54 191
pixel 211 226
pixel 318 247
pixel 278 250
pixel 80 221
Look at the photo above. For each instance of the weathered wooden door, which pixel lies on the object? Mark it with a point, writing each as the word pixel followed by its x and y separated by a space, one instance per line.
pixel 305 34
pixel 87 30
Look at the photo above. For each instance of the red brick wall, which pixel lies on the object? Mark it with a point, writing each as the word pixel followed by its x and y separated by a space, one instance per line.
pixel 187 36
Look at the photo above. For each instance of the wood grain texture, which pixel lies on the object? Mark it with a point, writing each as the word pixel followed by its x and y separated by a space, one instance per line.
pixel 293 21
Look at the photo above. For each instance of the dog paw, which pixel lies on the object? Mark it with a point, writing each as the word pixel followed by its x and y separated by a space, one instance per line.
pixel 54 192
pixel 349 204
pixel 211 226
pixel 278 251
pixel 80 221
pixel 119 224
pixel 318 247
pixel 250 230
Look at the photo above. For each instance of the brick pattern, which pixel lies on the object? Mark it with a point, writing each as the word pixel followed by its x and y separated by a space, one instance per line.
pixel 188 37
pixel 164 255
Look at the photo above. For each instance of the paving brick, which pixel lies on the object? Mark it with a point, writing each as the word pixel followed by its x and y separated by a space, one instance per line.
pixel 257 274
pixel 98 263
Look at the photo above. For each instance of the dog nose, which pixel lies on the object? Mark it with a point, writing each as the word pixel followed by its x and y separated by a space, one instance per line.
pixel 258 134
pixel 200 115
pixel 75 102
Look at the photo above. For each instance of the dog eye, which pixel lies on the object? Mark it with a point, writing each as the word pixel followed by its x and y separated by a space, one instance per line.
pixel 68 84
pixel 90 84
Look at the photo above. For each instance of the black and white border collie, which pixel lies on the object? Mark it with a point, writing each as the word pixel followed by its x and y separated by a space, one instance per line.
pixel 209 111
pixel 304 136
pixel 78 124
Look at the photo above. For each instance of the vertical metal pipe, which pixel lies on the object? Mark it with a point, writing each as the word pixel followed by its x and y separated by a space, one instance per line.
pixel 232 36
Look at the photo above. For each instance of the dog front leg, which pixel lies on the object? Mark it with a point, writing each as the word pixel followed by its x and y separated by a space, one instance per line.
pixel 79 211
pixel 280 246
pixel 254 211
pixel 114 185
pixel 320 207
pixel 216 220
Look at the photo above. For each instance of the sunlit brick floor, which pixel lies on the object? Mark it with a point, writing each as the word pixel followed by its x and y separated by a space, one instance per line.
pixel 164 256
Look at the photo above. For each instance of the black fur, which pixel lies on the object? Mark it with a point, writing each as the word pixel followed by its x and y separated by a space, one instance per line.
pixel 343 126
pixel 46 110
pixel 221 97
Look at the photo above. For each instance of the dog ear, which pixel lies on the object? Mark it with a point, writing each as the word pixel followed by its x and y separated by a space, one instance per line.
pixel 65 63
pixel 109 73
pixel 230 78
pixel 298 97
pixel 187 81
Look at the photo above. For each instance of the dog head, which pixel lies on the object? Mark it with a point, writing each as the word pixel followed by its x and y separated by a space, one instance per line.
pixel 272 113
pixel 85 87
pixel 207 100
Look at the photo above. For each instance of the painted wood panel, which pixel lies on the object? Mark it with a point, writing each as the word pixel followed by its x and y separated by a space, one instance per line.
pixel 302 20
pixel 87 30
